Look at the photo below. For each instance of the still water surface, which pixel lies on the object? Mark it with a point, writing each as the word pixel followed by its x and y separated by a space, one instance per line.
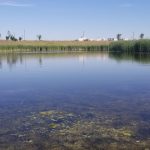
pixel 74 101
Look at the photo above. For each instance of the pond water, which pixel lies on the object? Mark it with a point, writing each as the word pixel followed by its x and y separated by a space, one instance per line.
pixel 74 101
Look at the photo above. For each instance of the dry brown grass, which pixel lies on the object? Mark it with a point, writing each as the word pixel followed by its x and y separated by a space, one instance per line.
pixel 54 43
pixel 45 46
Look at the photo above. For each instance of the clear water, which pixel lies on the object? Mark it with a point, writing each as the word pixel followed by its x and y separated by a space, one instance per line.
pixel 74 101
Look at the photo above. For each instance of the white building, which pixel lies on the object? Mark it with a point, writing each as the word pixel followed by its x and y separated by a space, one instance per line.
pixel 82 39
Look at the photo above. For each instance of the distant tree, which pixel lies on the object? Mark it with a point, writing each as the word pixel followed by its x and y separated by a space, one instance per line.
pixel 9 34
pixel 20 38
pixel 119 37
pixel 142 36
pixel 0 35
pixel 39 37
pixel 12 37
pixel 7 38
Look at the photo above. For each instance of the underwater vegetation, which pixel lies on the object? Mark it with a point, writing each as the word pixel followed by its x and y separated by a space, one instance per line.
pixel 54 129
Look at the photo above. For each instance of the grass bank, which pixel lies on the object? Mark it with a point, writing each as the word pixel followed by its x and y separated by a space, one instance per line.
pixel 54 46
pixel 45 46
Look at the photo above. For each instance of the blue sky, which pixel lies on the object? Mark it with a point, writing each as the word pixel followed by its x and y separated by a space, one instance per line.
pixel 67 19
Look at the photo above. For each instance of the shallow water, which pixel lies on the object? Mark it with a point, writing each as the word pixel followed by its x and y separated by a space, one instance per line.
pixel 74 101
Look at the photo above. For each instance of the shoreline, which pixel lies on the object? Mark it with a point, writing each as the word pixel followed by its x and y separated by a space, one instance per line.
pixel 136 46
pixel 46 46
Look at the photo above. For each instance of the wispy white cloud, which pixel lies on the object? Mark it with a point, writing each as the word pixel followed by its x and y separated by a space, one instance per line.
pixel 13 3
pixel 126 5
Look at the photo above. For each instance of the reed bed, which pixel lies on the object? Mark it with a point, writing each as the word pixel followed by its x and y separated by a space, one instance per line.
pixel 44 46
pixel 131 46
pixel 54 46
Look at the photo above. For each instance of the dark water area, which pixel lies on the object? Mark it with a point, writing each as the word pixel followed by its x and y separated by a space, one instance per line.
pixel 74 101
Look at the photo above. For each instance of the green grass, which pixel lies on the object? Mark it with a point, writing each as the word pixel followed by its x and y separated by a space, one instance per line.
pixel 44 46
pixel 131 46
